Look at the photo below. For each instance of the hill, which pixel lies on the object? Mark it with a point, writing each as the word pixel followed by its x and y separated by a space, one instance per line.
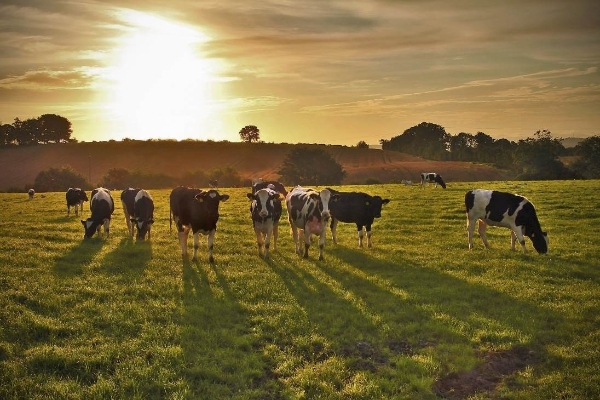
pixel 20 165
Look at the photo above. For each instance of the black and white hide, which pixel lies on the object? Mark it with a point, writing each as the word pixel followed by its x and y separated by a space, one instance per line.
pixel 102 207
pixel 265 211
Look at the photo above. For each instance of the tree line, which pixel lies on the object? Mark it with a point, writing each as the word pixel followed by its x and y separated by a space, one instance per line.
pixel 533 158
pixel 48 128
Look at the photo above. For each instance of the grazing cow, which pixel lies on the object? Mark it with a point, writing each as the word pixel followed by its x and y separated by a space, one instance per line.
pixel 31 193
pixel 102 206
pixel 432 177
pixel 265 211
pixel 197 210
pixel 94 191
pixel 75 198
pixel 128 203
pixel 143 214
pixel 512 211
pixel 356 207
pixel 407 183
pixel 276 186
pixel 213 183
pixel 308 211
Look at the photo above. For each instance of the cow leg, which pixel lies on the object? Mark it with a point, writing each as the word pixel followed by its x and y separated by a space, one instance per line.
pixel 76 206
pixel 321 244
pixel 183 237
pixel 306 242
pixel 333 226
pixel 518 231
pixel 275 235
pixel 106 227
pixel 470 230
pixel 368 229
pixel 296 240
pixel 259 240
pixel 68 210
pixel 482 234
pixel 268 241
pixel 211 241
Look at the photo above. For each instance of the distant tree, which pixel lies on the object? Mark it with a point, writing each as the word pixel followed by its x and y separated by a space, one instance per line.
pixel 59 179
pixel 362 145
pixel 425 140
pixel 537 157
pixel 116 178
pixel 462 147
pixel 250 133
pixel 54 129
pixel 310 166
pixel 7 134
pixel 227 177
pixel 588 164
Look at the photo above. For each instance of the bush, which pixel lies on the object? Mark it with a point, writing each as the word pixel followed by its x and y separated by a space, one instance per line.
pixel 59 179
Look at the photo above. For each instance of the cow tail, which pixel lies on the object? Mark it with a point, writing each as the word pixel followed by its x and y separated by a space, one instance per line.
pixel 170 220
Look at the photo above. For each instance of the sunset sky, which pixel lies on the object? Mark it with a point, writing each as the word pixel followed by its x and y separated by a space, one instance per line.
pixel 337 71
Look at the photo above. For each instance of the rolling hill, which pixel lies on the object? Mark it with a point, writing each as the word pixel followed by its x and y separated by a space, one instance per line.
pixel 20 165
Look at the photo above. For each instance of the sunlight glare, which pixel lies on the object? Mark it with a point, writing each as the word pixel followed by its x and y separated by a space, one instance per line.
pixel 162 87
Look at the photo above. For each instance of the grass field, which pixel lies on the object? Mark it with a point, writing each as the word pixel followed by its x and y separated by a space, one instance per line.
pixel 417 316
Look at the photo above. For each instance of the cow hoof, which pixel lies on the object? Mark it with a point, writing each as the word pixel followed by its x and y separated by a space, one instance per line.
pixel 211 259
pixel 305 255
pixel 321 258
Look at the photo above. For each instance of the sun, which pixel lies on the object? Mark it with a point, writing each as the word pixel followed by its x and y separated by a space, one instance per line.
pixel 160 85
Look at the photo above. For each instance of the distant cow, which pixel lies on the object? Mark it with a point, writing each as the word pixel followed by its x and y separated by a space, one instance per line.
pixel 359 208
pixel 512 211
pixel 265 211
pixel 31 193
pixel 75 198
pixel 143 214
pixel 432 177
pixel 102 206
pixel 128 202
pixel 197 210
pixel 213 183
pixel 276 186
pixel 308 211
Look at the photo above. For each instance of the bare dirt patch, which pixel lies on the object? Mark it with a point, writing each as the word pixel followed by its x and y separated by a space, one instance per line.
pixel 496 367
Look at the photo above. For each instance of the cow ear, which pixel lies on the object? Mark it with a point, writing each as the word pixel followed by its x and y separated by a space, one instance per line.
pixel 385 201
pixel 315 196
pixel 275 196
pixel 133 219
pixel 83 223
pixel 224 197
pixel 199 197
pixel 250 196
pixel 150 221
pixel 545 233
pixel 335 197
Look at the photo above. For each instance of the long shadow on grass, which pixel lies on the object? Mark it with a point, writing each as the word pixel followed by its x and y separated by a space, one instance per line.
pixel 72 263
pixel 128 260
pixel 216 339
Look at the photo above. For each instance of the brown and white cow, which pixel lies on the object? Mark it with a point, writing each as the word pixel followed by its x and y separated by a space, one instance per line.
pixel 308 213
pixel 75 198
pixel 432 177
pixel 31 193
pixel 491 207
pixel 265 211
pixel 197 210
pixel 102 206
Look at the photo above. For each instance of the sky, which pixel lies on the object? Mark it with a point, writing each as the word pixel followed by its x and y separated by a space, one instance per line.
pixel 311 71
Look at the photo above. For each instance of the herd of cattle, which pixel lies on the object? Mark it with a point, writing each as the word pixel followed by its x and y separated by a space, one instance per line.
pixel 309 213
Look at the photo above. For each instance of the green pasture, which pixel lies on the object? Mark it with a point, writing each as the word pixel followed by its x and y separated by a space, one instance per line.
pixel 418 316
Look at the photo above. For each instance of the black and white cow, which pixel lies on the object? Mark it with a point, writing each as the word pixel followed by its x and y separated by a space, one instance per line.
pixel 197 210
pixel 276 186
pixel 128 203
pixel 359 208
pixel 432 177
pixel 143 214
pixel 31 193
pixel 75 198
pixel 308 211
pixel 509 210
pixel 213 183
pixel 102 206
pixel 265 211
pixel 94 191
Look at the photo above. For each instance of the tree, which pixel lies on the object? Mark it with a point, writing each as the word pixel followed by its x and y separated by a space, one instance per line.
pixel 426 140
pixel 537 157
pixel 54 129
pixel 310 166
pixel 116 178
pixel 59 179
pixel 362 145
pixel 588 164
pixel 250 133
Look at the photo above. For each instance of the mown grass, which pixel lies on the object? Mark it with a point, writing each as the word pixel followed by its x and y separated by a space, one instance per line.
pixel 110 318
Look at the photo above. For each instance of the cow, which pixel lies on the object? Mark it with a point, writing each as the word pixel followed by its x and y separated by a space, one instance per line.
pixel 197 210
pixel 509 210
pixel 75 198
pixel 213 183
pixel 31 193
pixel 265 211
pixel 406 183
pixel 102 206
pixel 432 177
pixel 94 191
pixel 357 207
pixel 308 211
pixel 276 186
pixel 128 202
pixel 143 214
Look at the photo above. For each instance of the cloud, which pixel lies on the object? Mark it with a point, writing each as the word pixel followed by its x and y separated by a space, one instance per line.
pixel 46 80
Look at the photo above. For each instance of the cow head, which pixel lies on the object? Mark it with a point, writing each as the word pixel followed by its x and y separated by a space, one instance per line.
pixel 210 201
pixel 324 197
pixel 89 226
pixel 143 226
pixel 375 204
pixel 263 202
pixel 539 239
pixel 438 179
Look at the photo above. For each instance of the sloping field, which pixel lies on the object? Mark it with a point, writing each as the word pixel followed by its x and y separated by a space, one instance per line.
pixel 21 165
